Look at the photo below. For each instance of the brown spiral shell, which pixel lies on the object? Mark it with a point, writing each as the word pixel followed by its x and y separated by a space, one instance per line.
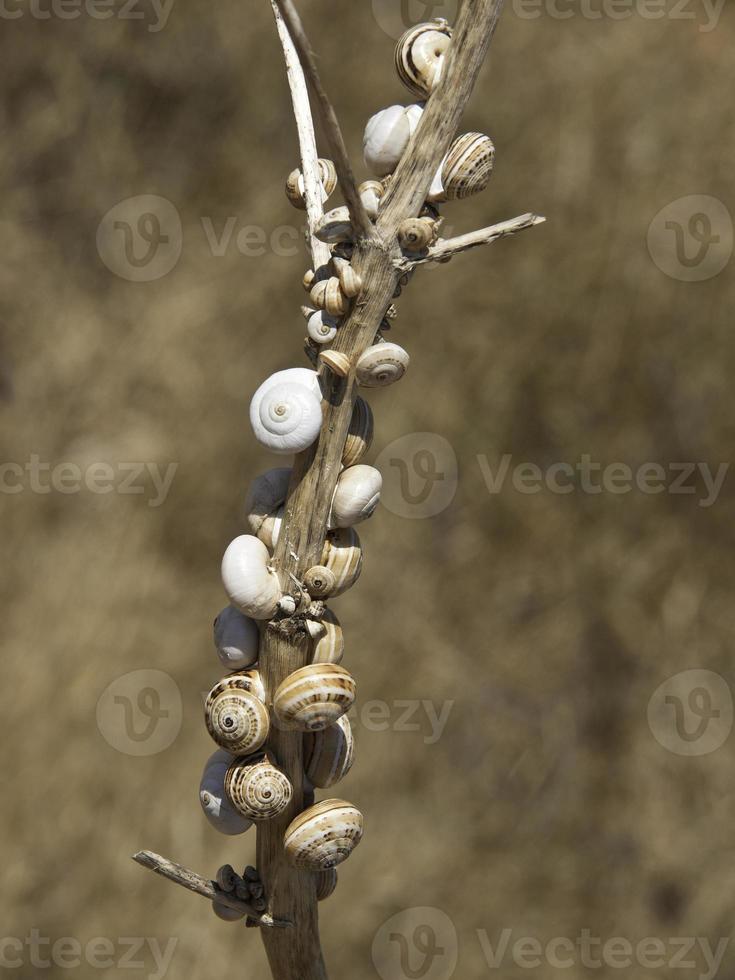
pixel 359 434
pixel 328 755
pixel 326 882
pixel 323 836
pixel 420 56
pixel 235 713
pixel 329 647
pixel 343 556
pixel 314 697
pixel 468 166
pixel 257 789
pixel 295 184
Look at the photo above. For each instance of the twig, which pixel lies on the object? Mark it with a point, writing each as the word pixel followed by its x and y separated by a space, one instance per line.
pixel 363 227
pixel 201 886
pixel 445 248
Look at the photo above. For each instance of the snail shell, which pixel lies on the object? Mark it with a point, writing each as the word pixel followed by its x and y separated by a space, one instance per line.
pixel 225 913
pixel 250 584
pixel 323 836
pixel 295 184
pixel 359 434
pixel 381 365
pixel 286 412
pixel 335 226
pixel 257 789
pixel 236 715
pixel 343 556
pixel 266 494
pixel 328 754
pixel 356 495
pixel 319 581
pixel 416 234
pixel 330 646
pixel 322 327
pixel 336 361
pixel 387 135
pixel 350 281
pixel 313 697
pixel 327 295
pixel 236 639
pixel 370 192
pixel 217 808
pixel 326 882
pixel 468 166
pixel 271 528
pixel 421 55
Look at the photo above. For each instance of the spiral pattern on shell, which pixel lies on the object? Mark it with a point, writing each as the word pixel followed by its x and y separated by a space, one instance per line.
pixel 313 697
pixel 468 166
pixel 326 883
pixel 381 364
pixel 257 789
pixel 359 434
pixel 343 557
pixel 323 836
pixel 328 754
pixel 420 56
pixel 329 647
pixel 216 807
pixel 235 713
pixel 286 418
pixel 295 184
pixel 321 327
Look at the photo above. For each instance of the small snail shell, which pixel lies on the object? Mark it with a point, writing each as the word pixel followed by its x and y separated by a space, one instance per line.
pixel 381 365
pixel 295 184
pixel 468 166
pixel 326 882
pixel 387 135
pixel 330 647
pixel 249 583
pixel 421 55
pixel 370 192
pixel 327 295
pixel 328 754
pixel 235 713
pixel 323 836
pixel 217 808
pixel 359 434
pixel 343 556
pixel 257 789
pixel 319 581
pixel 416 234
pixel 225 913
pixel 335 226
pixel 227 878
pixel 350 281
pixel 236 639
pixel 313 697
pixel 287 605
pixel 271 528
pixel 321 327
pixel 336 361
pixel 265 495
pixel 356 495
pixel 309 279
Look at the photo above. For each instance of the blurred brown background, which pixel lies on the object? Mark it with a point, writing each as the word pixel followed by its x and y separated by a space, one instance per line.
pixel 548 804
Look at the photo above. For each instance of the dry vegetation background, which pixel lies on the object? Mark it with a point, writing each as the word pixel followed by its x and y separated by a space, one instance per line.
pixel 547 806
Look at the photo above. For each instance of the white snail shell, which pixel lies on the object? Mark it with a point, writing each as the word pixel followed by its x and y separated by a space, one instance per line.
pixel 250 584
pixel 236 639
pixel 343 556
pixel 314 697
pixel 321 327
pixel 421 55
pixel 217 808
pixel 257 789
pixel 286 411
pixel 236 715
pixel 468 166
pixel 328 754
pixel 323 836
pixel 335 226
pixel 330 646
pixel 359 434
pixel 265 495
pixel 370 192
pixel 356 495
pixel 382 364
pixel 295 184
pixel 271 528
pixel 387 135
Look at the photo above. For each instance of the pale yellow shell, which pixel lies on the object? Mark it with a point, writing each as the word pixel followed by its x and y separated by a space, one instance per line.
pixel 356 495
pixel 235 713
pixel 295 184
pixel 336 361
pixel 329 648
pixel 420 56
pixel 335 226
pixel 257 789
pixel 381 364
pixel 319 581
pixel 328 754
pixel 327 295
pixel 360 433
pixel 313 697
pixel 416 234
pixel 271 528
pixel 323 836
pixel 326 883
pixel 468 166
pixel 343 555
pixel 370 192
pixel 350 281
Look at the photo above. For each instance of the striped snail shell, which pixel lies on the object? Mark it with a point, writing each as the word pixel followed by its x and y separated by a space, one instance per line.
pixel 328 754
pixel 257 789
pixel 236 715
pixel 356 495
pixel 337 362
pixel 416 234
pixel 322 327
pixel 313 697
pixel 421 55
pixel 370 192
pixel 286 411
pixel 319 581
pixel 350 280
pixel 323 836
pixel 343 556
pixel 359 434
pixel 387 135
pixel 381 364
pixel 326 882
pixel 335 226
pixel 330 646
pixel 468 166
pixel 249 582
pixel 327 295
pixel 236 639
pixel 217 808
pixel 295 184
